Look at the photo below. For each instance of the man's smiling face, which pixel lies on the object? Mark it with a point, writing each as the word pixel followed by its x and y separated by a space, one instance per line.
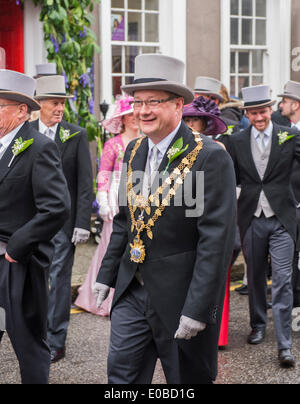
pixel 159 121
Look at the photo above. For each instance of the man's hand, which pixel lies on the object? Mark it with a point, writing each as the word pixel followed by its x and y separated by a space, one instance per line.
pixel 9 259
pixel 80 236
pixel 100 293
pixel 188 328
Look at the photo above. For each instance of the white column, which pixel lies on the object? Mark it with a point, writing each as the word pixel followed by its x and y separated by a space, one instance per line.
pixel 34 49
pixel 225 43
pixel 106 52
pixel 173 28
pixel 279 44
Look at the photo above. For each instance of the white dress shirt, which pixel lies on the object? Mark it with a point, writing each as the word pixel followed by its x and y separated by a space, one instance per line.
pixel 268 134
pixel 161 146
pixel 48 131
pixel 297 125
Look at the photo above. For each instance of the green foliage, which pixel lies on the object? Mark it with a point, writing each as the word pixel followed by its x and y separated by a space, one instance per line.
pixel 71 44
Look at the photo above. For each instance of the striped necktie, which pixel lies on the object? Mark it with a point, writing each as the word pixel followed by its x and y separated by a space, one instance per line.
pixel 1 150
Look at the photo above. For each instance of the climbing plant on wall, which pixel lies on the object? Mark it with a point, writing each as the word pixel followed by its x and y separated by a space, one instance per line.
pixel 71 44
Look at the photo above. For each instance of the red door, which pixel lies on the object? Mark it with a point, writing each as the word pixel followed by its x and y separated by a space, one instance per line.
pixel 11 36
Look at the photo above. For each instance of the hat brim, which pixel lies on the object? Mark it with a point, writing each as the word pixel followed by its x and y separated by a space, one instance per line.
pixel 291 96
pixel 169 86
pixel 216 95
pixel 214 124
pixel 20 97
pixel 51 96
pixel 258 105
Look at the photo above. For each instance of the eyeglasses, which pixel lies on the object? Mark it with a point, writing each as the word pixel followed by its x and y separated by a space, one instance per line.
pixel 152 104
pixel 7 105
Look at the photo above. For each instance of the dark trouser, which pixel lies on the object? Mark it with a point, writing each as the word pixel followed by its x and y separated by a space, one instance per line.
pixel 29 345
pixel 138 339
pixel 263 237
pixel 60 291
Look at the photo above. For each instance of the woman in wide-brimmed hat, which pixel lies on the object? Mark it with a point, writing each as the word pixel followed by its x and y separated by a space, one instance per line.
pixel 122 123
pixel 202 115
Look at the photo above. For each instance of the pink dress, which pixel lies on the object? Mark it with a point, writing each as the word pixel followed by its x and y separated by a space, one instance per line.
pixel 108 181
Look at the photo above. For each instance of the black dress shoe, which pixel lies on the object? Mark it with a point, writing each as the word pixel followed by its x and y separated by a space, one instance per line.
pixel 256 337
pixel 286 358
pixel 57 354
pixel 242 290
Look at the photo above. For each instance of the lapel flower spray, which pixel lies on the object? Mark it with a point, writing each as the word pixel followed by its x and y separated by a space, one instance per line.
pixel 64 134
pixel 284 137
pixel 18 148
pixel 175 151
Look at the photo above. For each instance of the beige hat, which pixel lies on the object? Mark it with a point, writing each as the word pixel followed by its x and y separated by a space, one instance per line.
pixel 291 90
pixel 51 87
pixel 256 97
pixel 18 87
pixel 159 72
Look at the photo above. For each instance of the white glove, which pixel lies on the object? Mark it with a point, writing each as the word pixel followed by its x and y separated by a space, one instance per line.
pixel 188 328
pixel 80 236
pixel 105 210
pixel 100 293
pixel 2 319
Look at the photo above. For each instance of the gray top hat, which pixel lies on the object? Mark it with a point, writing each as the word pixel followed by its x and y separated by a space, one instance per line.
pixel 18 87
pixel 256 97
pixel 209 86
pixel 291 90
pixel 51 87
pixel 159 72
pixel 45 69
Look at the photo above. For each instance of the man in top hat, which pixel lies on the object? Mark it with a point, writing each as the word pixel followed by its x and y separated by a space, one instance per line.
pixel 263 156
pixel 72 142
pixel 290 110
pixel 168 256
pixel 34 205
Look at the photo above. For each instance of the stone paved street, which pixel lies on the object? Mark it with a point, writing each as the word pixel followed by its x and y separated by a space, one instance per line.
pixel 87 346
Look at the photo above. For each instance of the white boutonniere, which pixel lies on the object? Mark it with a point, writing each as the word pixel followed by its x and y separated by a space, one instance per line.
pixel 228 133
pixel 284 137
pixel 175 151
pixel 64 134
pixel 18 147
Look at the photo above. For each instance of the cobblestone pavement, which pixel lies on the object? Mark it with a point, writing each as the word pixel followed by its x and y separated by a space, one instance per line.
pixel 87 347
pixel 88 338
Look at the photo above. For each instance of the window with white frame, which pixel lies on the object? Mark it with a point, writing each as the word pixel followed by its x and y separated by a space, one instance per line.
pixel 134 30
pixel 248 43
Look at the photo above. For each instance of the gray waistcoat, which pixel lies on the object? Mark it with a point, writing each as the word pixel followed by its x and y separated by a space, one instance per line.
pixel 261 162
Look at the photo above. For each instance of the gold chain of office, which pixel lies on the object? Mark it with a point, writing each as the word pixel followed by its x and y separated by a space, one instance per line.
pixel 173 182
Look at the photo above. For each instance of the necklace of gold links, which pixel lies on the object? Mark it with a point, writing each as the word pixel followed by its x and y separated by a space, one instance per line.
pixel 176 178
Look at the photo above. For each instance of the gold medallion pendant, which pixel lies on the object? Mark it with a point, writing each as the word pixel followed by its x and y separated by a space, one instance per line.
pixel 137 251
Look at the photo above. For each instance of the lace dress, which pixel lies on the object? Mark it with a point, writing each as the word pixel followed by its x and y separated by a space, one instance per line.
pixel 108 181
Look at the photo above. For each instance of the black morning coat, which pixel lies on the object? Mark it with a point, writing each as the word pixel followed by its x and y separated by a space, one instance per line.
pixel 34 204
pixel 77 168
pixel 187 261
pixel 276 183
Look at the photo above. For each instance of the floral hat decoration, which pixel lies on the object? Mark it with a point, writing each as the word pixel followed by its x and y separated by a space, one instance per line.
pixel 209 111
pixel 122 107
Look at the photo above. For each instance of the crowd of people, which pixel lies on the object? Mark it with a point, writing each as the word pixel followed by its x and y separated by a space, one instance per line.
pixel 162 268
